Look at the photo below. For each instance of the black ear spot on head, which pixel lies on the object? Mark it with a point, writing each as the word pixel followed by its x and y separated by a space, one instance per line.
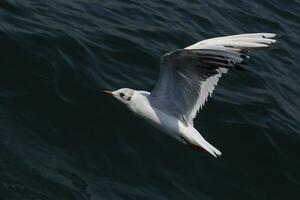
pixel 129 98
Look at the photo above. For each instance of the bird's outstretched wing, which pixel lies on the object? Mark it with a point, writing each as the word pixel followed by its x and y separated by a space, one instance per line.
pixel 188 76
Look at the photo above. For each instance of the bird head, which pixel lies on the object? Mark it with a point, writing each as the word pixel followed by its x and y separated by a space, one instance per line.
pixel 124 94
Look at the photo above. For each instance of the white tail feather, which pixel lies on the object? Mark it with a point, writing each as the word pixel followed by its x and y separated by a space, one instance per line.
pixel 196 138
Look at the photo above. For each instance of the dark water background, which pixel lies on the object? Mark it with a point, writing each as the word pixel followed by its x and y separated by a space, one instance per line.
pixel 61 139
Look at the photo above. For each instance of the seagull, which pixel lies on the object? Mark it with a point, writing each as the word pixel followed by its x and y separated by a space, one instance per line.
pixel 187 78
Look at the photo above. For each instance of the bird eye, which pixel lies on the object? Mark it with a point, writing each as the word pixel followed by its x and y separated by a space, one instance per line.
pixel 122 94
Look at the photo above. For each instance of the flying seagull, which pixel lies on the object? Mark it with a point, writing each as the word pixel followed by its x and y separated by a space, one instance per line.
pixel 187 78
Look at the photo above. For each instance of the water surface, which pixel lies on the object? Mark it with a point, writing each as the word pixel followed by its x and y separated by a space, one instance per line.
pixel 60 138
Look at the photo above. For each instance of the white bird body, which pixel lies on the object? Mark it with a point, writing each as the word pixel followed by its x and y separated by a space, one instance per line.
pixel 187 78
pixel 141 106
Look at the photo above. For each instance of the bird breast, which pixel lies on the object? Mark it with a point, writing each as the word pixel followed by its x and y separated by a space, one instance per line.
pixel 141 106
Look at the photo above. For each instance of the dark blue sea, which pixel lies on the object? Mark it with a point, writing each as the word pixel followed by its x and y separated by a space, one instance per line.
pixel 62 139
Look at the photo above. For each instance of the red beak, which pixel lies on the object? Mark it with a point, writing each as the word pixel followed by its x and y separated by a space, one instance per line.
pixel 108 93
